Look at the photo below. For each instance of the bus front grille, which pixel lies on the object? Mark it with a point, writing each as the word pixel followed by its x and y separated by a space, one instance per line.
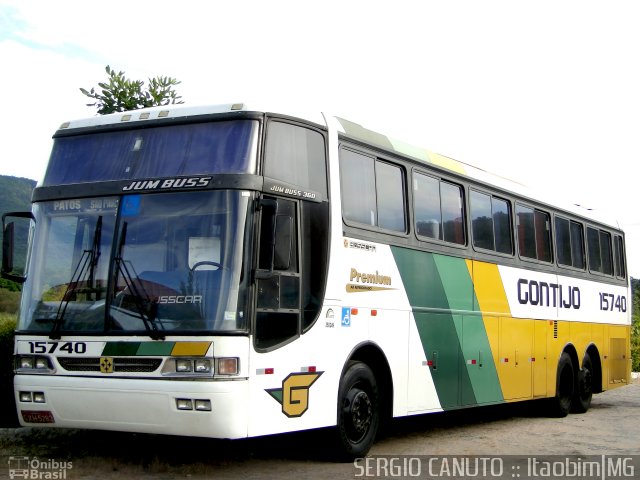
pixel 122 365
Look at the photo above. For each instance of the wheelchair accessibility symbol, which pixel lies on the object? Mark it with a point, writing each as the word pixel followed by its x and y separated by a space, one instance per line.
pixel 346 316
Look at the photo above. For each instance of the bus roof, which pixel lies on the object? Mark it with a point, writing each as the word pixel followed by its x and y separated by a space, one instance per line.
pixel 181 111
pixel 355 131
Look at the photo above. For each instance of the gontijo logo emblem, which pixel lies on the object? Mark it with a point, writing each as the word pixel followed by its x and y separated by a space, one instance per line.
pixel 294 394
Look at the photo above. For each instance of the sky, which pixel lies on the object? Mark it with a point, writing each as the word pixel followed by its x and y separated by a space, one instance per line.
pixel 546 93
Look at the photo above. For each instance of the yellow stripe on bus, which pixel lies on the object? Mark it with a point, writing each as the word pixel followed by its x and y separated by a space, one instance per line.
pixel 490 292
pixel 190 349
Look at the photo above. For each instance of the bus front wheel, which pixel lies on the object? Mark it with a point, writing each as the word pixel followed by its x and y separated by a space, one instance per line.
pixel 358 411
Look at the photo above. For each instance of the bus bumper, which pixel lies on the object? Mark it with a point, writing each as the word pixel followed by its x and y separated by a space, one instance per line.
pixel 135 405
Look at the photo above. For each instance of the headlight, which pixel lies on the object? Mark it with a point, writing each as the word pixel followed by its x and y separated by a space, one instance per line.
pixel 35 363
pixel 188 367
pixel 26 362
pixel 202 365
pixel 184 365
pixel 42 362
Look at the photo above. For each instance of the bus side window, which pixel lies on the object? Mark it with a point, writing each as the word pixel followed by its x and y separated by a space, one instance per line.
pixel 534 233
pixel 600 251
pixel 593 242
pixel 605 248
pixel 358 182
pixel 296 155
pixel 569 243
pixel 373 191
pixel 563 241
pixel 618 244
pixel 438 207
pixel 577 245
pixel 427 206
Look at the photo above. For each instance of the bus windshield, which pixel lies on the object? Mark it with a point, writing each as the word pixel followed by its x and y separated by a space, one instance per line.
pixel 158 264
pixel 166 151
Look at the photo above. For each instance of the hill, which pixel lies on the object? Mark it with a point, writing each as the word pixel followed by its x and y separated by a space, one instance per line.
pixel 16 193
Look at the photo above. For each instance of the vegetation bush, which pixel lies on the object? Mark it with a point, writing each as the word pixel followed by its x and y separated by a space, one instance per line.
pixel 635 345
pixel 9 285
pixel 635 327
pixel 9 301
pixel 8 416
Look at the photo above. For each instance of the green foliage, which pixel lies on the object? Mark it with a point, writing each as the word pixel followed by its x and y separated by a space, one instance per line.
pixel 9 301
pixel 635 325
pixel 7 326
pixel 8 416
pixel 10 286
pixel 120 94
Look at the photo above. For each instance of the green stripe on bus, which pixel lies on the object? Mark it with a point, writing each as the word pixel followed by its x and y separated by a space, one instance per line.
pixel 438 332
pixel 155 349
pixel 483 374
pixel 119 349
pixel 457 284
pixel 441 294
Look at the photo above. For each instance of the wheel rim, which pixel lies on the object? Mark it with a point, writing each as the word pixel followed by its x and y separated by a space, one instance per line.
pixel 358 414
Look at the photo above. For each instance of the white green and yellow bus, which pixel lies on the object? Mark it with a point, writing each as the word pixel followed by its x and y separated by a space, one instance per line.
pixel 229 272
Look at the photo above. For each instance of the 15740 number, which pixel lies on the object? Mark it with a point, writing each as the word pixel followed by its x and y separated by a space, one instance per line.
pixel 611 302
pixel 52 347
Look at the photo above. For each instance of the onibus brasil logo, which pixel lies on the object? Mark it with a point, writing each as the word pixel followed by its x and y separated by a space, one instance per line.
pixel 294 394
pixel 35 468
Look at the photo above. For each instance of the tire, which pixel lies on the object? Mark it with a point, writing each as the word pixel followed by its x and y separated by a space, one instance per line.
pixel 358 412
pixel 560 405
pixel 584 387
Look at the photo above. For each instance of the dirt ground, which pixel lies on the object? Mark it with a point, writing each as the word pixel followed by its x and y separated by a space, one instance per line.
pixel 610 427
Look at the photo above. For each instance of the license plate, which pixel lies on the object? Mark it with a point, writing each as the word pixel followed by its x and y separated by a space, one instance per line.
pixel 34 416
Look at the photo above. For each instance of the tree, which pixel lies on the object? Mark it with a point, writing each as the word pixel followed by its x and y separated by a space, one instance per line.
pixel 635 325
pixel 120 94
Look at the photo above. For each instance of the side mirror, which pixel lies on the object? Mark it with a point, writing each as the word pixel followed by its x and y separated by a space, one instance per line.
pixel 20 230
pixel 7 247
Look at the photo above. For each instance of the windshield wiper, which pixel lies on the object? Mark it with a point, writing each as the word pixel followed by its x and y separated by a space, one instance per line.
pixel 86 265
pixel 139 294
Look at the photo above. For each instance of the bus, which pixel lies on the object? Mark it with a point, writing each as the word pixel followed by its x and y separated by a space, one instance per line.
pixel 230 272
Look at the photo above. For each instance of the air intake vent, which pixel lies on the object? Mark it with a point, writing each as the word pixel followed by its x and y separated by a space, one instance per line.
pixel 555 329
pixel 122 365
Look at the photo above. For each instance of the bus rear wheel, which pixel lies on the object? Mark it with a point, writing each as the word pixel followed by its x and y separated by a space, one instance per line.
pixel 584 387
pixel 560 405
pixel 358 412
